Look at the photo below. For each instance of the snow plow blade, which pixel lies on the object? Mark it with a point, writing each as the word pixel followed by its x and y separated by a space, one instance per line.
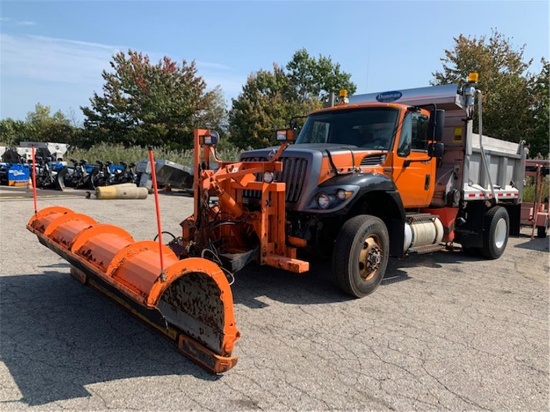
pixel 190 302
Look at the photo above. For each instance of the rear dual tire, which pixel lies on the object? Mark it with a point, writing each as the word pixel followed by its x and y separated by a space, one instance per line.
pixel 495 236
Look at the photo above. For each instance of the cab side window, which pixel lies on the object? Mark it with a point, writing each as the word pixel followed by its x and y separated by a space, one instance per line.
pixel 419 132
pixel 414 134
pixel 404 147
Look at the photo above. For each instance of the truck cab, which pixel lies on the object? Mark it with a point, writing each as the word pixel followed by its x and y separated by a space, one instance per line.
pixel 386 139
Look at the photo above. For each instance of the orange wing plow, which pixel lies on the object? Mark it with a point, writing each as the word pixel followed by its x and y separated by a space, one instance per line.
pixel 190 301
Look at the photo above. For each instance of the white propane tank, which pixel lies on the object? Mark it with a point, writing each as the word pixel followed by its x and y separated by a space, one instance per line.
pixel 422 233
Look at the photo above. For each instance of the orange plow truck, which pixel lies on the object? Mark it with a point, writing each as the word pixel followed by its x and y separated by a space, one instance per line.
pixel 378 175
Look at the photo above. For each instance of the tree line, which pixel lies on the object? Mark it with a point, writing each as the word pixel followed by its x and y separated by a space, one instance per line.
pixel 144 103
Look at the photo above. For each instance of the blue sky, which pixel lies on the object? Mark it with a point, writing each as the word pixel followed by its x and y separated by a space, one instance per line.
pixel 53 52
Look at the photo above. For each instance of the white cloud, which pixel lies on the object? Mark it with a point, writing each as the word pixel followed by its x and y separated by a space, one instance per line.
pixel 64 73
pixel 7 20
pixel 54 60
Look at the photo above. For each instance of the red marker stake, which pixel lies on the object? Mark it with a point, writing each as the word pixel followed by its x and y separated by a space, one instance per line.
pixel 33 174
pixel 157 207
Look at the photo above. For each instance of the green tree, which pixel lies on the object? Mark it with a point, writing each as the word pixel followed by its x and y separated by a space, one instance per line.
pixel 151 104
pixel 503 81
pixel 316 78
pixel 39 126
pixel 540 90
pixel 266 103
pixel 12 132
pixel 43 126
pixel 269 99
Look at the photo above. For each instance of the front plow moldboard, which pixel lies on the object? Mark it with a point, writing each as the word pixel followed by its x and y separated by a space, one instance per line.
pixel 191 303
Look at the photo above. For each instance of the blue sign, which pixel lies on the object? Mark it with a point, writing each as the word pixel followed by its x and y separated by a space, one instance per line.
pixel 18 175
pixel 387 97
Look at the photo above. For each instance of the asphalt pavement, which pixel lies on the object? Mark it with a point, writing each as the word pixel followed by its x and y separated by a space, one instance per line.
pixel 444 331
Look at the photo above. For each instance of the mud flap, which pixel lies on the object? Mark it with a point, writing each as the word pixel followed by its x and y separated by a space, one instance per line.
pixel 190 302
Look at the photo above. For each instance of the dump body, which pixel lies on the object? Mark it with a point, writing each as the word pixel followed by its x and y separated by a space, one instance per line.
pixel 45 149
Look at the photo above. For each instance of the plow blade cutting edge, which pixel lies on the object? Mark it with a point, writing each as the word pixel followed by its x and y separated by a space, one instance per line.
pixel 190 302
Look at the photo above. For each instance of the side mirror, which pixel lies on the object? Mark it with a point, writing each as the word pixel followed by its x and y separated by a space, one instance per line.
pixel 436 150
pixel 212 138
pixel 436 125
pixel 286 135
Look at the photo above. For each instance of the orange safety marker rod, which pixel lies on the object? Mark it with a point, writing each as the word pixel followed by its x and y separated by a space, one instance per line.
pixel 157 207
pixel 33 174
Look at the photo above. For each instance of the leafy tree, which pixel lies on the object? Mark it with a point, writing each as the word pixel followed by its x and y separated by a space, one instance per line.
pixel 145 104
pixel 39 126
pixel 269 99
pixel 503 81
pixel 12 132
pixel 316 78
pixel 540 90
pixel 266 103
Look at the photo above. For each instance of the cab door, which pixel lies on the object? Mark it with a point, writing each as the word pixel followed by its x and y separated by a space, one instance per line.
pixel 413 173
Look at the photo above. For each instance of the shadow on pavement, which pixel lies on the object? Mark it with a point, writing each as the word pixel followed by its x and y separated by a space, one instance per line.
pixel 17 193
pixel 538 244
pixel 58 336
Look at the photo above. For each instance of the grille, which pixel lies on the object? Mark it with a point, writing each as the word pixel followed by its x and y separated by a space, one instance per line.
pixel 293 174
pixel 373 160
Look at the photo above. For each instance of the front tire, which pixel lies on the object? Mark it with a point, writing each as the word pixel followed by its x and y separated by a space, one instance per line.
pixel 495 235
pixel 360 255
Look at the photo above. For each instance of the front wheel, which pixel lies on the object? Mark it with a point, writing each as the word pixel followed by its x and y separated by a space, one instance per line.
pixel 495 236
pixel 360 255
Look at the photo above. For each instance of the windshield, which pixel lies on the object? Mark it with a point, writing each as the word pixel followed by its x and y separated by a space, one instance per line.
pixel 370 128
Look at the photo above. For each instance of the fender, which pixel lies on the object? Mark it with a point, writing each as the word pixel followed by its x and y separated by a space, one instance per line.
pixel 375 194
pixel 360 184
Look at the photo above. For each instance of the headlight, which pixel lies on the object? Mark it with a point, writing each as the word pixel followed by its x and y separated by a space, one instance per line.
pixel 342 194
pixel 323 200
pixel 268 177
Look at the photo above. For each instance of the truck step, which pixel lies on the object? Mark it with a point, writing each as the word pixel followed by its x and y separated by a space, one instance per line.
pixel 417 217
pixel 427 249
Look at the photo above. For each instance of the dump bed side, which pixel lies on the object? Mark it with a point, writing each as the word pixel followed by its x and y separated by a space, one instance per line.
pixel 505 164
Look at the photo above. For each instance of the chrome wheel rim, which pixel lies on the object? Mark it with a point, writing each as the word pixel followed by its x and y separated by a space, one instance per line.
pixel 370 258
pixel 500 233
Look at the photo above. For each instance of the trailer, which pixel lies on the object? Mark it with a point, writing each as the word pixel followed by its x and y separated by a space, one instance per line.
pixel 535 213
